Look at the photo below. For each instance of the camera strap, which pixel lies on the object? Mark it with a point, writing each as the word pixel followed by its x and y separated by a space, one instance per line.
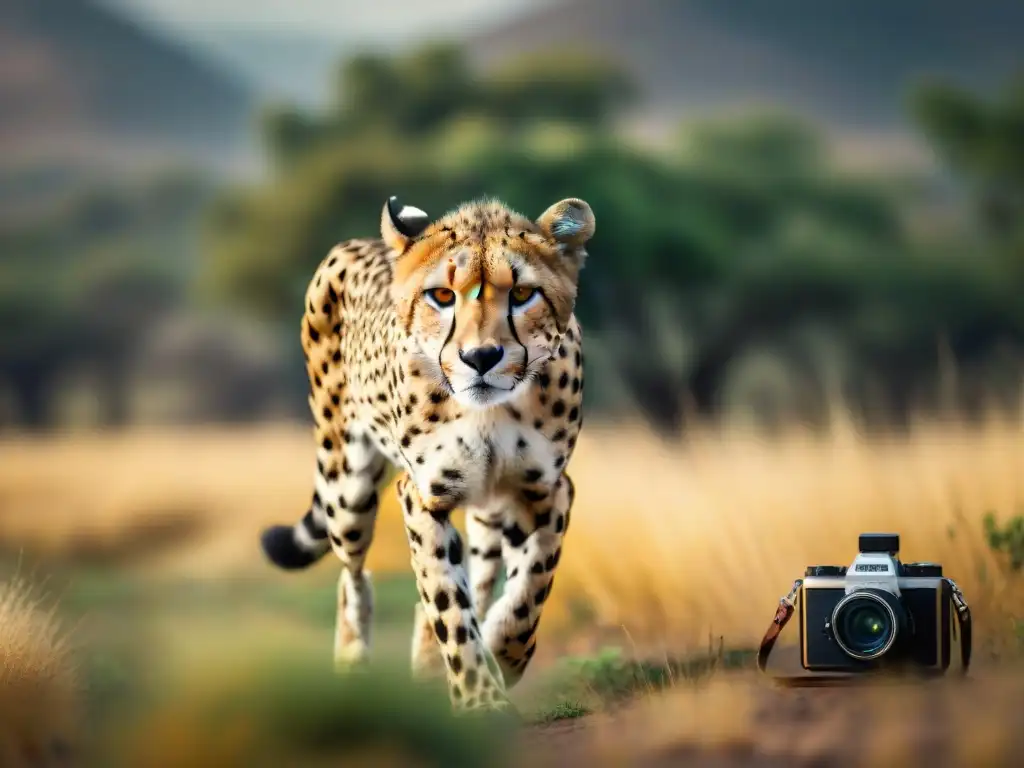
pixel 963 620
pixel 787 606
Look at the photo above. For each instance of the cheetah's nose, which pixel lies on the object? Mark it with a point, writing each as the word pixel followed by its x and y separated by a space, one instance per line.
pixel 482 359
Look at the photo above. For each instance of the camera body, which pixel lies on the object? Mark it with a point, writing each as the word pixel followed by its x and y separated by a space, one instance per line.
pixel 876 614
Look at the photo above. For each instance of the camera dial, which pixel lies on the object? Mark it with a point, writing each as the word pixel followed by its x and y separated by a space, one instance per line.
pixel 825 570
pixel 922 569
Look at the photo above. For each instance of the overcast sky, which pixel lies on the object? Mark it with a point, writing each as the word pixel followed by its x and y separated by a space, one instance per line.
pixel 344 18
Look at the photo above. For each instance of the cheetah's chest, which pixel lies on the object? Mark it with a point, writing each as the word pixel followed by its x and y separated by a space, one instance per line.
pixel 480 459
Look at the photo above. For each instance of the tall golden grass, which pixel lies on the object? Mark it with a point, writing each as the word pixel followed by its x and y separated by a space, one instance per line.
pixel 39 704
pixel 668 544
pixel 675 544
pixel 184 501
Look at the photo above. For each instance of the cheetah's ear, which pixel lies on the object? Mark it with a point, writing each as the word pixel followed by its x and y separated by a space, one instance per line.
pixel 569 221
pixel 400 224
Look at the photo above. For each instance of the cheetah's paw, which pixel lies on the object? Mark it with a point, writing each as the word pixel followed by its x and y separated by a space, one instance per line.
pixel 351 656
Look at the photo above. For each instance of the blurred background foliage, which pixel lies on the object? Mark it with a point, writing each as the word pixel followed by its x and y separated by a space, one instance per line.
pixel 738 268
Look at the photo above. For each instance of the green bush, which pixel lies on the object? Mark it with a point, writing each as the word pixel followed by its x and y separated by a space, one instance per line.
pixel 1006 539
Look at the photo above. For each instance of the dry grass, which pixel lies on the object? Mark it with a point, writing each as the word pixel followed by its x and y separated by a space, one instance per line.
pixel 38 684
pixel 666 542
pixel 110 497
pixel 682 543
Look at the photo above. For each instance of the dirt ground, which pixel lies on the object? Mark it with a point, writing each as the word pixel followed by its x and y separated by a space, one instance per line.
pixel 747 721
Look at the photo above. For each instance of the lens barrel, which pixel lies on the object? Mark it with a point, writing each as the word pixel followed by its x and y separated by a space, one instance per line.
pixel 867 622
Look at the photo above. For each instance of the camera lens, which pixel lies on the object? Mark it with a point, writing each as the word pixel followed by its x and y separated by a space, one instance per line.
pixel 865 624
pixel 865 628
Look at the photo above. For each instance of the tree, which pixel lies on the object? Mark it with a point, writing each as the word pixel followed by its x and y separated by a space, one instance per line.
pixel 982 142
pixel 82 284
pixel 743 235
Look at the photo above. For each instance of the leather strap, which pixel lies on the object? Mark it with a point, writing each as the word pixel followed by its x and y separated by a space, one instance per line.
pixel 963 619
pixel 782 615
pixel 786 609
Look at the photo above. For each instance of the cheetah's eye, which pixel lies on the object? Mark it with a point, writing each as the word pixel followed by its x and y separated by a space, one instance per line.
pixel 521 294
pixel 441 297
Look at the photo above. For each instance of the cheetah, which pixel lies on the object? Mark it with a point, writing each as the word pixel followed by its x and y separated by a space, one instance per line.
pixel 447 352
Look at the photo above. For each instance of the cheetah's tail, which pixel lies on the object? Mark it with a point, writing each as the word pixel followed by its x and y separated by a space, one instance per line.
pixel 298 546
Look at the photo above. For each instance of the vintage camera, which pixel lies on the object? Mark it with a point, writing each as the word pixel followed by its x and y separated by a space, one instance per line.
pixel 877 614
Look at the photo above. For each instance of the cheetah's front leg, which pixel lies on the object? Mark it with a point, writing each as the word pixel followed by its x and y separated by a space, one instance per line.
pixel 533 546
pixel 438 560
pixel 483 532
pixel 484 538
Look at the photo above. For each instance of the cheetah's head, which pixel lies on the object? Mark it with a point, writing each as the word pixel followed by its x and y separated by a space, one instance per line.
pixel 484 294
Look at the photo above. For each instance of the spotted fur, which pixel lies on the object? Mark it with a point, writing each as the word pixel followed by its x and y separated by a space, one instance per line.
pixel 447 351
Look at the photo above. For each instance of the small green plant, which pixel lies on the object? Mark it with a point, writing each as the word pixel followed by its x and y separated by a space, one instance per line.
pixel 611 677
pixel 562 710
pixel 1006 539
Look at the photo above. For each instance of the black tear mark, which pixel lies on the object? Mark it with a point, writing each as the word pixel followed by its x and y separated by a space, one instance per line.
pixel 512 325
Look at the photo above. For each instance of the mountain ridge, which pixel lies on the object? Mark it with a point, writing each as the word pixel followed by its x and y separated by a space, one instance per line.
pixel 846 64
pixel 74 75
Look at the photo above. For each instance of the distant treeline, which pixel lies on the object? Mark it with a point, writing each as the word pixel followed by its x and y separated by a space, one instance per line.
pixel 741 267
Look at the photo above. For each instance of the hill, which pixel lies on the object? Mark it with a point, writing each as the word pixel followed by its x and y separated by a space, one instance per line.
pixel 293 67
pixel 78 83
pixel 845 63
